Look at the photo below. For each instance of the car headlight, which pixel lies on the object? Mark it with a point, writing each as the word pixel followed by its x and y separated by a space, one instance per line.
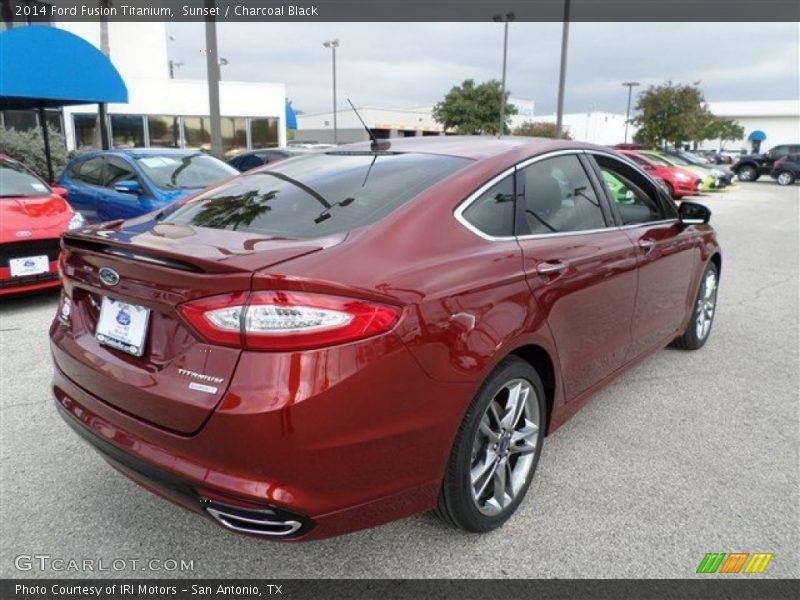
pixel 76 221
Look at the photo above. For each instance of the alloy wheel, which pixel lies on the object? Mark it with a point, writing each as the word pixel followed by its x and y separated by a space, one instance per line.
pixel 746 174
pixel 504 447
pixel 785 178
pixel 706 305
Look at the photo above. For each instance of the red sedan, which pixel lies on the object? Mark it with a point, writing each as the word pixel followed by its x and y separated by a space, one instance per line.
pixel 350 337
pixel 679 181
pixel 32 218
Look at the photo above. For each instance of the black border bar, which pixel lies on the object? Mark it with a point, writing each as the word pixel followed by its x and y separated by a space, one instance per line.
pixel 391 589
pixel 410 10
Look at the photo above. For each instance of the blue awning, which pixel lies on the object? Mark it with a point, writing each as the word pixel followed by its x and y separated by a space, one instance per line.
pixel 46 66
pixel 291 117
pixel 757 136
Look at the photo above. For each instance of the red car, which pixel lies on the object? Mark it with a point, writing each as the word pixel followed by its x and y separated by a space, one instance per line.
pixel 679 181
pixel 350 337
pixel 32 218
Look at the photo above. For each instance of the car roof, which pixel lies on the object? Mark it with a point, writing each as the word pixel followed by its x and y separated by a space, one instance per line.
pixel 474 147
pixel 139 152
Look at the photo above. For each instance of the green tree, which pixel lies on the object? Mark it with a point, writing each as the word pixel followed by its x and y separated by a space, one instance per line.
pixel 671 114
pixel 721 129
pixel 543 129
pixel 473 109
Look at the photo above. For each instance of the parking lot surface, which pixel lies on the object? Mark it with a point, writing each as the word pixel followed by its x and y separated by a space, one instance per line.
pixel 689 453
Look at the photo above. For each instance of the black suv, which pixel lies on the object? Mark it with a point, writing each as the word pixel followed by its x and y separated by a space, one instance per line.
pixel 787 169
pixel 751 166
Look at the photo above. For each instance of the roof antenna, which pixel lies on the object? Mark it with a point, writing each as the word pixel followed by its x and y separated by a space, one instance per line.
pixel 376 146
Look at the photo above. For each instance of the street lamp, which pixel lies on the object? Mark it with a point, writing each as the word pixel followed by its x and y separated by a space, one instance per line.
pixel 505 20
pixel 630 85
pixel 562 72
pixel 333 45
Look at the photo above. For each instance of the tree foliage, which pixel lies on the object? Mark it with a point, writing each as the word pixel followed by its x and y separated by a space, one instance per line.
pixel 473 109
pixel 543 129
pixel 673 114
pixel 28 148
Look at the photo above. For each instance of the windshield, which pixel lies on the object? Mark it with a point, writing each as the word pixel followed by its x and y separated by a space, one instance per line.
pixel 660 160
pixel 317 195
pixel 16 181
pixel 693 160
pixel 168 171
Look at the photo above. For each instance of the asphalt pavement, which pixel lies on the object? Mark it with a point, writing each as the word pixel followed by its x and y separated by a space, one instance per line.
pixel 689 453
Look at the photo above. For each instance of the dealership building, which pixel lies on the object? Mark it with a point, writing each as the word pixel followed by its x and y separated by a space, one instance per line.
pixel 772 122
pixel 162 111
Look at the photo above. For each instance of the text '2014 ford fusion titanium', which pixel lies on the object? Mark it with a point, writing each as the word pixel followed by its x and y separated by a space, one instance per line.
pixel 350 337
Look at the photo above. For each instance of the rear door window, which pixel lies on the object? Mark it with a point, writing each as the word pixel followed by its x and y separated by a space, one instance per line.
pixel 317 195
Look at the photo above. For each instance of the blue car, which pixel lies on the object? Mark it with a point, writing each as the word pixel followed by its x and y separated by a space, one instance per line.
pixel 122 184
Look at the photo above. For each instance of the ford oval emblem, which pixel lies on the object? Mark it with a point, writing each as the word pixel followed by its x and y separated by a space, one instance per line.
pixel 109 276
pixel 24 233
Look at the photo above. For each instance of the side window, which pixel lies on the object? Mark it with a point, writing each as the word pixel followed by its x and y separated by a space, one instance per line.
pixel 118 170
pixel 493 211
pixel 778 151
pixel 559 197
pixel 637 199
pixel 91 171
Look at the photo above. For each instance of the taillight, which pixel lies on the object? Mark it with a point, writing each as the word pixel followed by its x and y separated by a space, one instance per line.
pixel 778 164
pixel 283 320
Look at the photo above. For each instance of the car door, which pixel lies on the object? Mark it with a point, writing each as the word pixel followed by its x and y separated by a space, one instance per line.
pixel 118 205
pixel 580 267
pixel 667 253
pixel 83 184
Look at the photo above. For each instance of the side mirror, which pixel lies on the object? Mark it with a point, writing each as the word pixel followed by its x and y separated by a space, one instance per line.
pixel 60 191
pixel 692 213
pixel 128 187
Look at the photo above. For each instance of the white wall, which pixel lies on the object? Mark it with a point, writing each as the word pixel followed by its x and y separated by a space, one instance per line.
pixel 779 119
pixel 594 127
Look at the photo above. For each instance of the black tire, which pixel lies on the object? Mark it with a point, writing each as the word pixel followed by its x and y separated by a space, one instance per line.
pixel 747 173
pixel 456 505
pixel 785 178
pixel 691 338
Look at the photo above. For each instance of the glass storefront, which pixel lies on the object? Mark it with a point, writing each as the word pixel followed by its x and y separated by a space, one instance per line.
pixel 85 126
pixel 164 131
pixel 196 133
pixel 264 132
pixel 234 135
pixel 127 131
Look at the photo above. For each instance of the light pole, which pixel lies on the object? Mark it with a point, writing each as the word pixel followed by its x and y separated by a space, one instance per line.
pixel 333 45
pixel 562 74
pixel 630 85
pixel 505 21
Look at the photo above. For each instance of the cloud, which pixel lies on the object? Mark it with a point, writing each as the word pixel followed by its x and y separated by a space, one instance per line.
pixel 403 64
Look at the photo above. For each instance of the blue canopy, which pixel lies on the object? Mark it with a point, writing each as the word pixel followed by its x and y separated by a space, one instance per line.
pixel 291 117
pixel 45 66
pixel 757 136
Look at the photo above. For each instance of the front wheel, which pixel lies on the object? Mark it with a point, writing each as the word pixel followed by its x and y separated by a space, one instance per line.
pixel 747 173
pixel 705 307
pixel 496 450
pixel 785 178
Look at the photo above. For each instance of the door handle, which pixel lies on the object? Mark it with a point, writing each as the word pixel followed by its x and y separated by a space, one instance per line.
pixel 647 245
pixel 551 267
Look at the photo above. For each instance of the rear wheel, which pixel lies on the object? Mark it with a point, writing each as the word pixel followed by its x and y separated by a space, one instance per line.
pixel 496 450
pixel 747 173
pixel 785 178
pixel 705 307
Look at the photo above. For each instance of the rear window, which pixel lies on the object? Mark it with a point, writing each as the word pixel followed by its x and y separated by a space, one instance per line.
pixel 317 195
pixel 16 181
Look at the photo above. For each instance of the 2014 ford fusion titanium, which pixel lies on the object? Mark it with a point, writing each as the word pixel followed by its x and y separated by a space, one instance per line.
pixel 350 337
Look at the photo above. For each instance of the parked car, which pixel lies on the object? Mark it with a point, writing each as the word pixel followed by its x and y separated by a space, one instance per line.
pixel 786 170
pixel 722 175
pixel 263 156
pixel 679 182
pixel 122 184
pixel 752 166
pixel 346 338
pixel 33 216
pixel 707 182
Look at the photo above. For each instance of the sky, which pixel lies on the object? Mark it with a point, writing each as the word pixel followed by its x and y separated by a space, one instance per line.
pixel 414 64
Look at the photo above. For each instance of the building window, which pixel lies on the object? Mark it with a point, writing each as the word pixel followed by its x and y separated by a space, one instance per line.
pixel 85 126
pixel 21 120
pixel 127 131
pixel 234 135
pixel 164 131
pixel 264 132
pixel 196 132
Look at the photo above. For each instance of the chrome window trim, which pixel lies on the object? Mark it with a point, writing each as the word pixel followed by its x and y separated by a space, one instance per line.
pixel 467 202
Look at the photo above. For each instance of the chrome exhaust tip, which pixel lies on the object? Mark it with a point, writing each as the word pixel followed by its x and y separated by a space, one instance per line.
pixel 255 522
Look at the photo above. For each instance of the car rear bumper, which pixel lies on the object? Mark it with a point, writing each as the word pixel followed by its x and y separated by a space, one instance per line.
pixel 19 285
pixel 333 454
